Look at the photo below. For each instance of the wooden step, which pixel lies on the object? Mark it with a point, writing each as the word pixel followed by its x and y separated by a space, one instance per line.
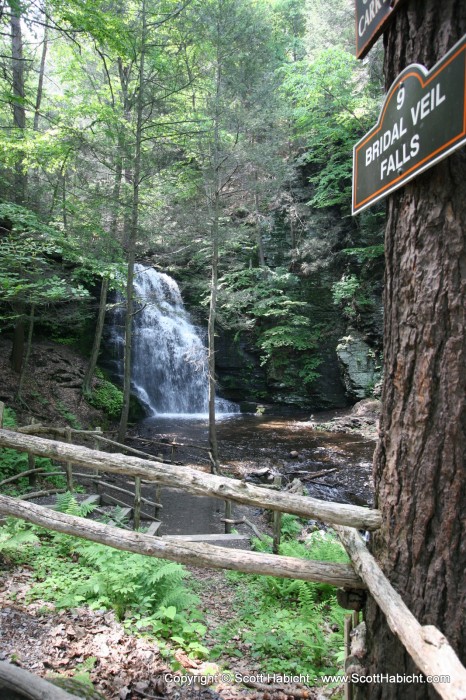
pixel 124 512
pixel 153 528
pixel 106 499
pixel 207 538
pixel 93 500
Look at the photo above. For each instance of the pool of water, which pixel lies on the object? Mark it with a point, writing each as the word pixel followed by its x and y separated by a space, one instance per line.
pixel 289 446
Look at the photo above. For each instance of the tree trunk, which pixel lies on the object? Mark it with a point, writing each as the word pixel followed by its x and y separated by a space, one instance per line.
pixel 24 366
pixel 19 110
pixel 213 445
pixel 17 349
pixel 133 230
pixel 419 461
pixel 127 345
pixel 87 381
pixel 40 83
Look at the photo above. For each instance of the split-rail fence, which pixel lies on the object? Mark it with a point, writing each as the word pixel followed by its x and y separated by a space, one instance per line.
pixel 427 645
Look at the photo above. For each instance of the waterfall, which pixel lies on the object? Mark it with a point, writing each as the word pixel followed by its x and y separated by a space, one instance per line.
pixel 169 359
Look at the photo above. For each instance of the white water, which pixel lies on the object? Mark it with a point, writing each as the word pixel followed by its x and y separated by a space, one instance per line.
pixel 169 359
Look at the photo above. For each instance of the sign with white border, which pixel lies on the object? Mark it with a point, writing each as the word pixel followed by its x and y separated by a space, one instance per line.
pixel 372 17
pixel 422 121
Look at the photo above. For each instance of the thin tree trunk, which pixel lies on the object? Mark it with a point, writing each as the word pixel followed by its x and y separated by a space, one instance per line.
pixel 19 184
pixel 420 457
pixel 259 242
pixel 40 83
pixel 24 366
pixel 215 156
pixel 127 347
pixel 133 233
pixel 17 350
pixel 213 445
pixel 87 381
pixel 19 110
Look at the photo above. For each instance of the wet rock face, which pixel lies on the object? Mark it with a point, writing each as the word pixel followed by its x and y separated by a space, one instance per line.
pixel 358 365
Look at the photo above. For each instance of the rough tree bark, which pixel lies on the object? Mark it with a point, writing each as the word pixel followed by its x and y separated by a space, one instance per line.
pixel 418 465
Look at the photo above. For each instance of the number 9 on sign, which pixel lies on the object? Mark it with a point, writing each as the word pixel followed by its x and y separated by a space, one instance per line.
pixel 400 97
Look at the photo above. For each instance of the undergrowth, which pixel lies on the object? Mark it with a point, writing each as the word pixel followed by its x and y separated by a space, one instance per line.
pixel 293 627
pixel 13 463
pixel 148 595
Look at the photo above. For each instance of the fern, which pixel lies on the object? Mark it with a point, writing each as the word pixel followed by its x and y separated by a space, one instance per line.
pixel 12 541
pixel 294 627
pixel 67 503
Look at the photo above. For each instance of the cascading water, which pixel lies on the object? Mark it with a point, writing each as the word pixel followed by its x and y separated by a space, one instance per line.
pixel 169 359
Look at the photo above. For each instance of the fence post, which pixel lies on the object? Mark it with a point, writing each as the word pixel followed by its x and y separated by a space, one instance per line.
pixel 158 496
pixel 96 475
pixel 277 519
pixel 228 513
pixel 347 642
pixel 32 465
pixel 137 502
pixel 69 465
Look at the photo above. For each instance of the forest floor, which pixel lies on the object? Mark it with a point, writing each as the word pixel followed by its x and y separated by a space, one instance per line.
pixel 122 666
pixel 125 667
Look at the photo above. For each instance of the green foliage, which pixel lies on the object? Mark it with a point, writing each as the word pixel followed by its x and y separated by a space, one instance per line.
pixel 350 294
pixel 9 418
pixel 371 252
pixel 65 413
pixel 149 594
pixel 293 627
pixel 334 105
pixel 13 462
pixel 28 269
pixel 14 536
pixel 268 304
pixel 107 397
pixel 291 526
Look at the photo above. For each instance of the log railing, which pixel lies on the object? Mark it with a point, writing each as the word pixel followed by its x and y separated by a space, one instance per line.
pixel 427 646
pixel 195 481
pixel 196 554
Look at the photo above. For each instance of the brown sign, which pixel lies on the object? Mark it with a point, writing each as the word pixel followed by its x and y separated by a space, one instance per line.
pixel 423 119
pixel 372 17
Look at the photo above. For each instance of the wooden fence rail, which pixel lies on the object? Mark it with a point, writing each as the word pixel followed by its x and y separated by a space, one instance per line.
pixel 193 553
pixel 196 481
pixel 14 680
pixel 426 645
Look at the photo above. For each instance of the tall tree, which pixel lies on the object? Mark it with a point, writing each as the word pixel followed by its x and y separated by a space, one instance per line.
pixel 419 461
pixel 18 97
pixel 235 64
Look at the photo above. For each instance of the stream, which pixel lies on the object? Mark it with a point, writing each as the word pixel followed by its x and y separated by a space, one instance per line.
pixel 169 377
pixel 289 446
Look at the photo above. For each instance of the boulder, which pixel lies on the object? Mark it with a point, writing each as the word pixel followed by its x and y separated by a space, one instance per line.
pixel 358 364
